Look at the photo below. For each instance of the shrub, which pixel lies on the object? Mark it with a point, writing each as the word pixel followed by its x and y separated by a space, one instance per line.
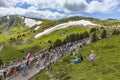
pixel 94 37
pixel 67 59
pixel 58 42
pixel 115 32
pixel 1 62
pixel 104 34
pixel 60 75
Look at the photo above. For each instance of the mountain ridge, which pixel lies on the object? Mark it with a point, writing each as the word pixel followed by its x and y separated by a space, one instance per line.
pixel 8 22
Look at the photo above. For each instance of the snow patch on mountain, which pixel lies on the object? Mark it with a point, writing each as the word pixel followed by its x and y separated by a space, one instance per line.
pixel 30 22
pixel 65 25
pixel 8 17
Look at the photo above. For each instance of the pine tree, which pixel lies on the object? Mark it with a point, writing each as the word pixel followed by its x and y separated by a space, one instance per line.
pixel 72 38
pixel 85 34
pixel 1 62
pixel 57 43
pixel 66 40
pixel 49 41
pixel 80 36
pixel 104 34
pixel 94 37
pixel 50 47
pixel 116 32
pixel 77 37
pixel 93 29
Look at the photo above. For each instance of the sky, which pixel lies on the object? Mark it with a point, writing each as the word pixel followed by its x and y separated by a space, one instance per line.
pixel 57 9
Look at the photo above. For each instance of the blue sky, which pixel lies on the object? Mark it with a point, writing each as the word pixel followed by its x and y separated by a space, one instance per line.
pixel 57 9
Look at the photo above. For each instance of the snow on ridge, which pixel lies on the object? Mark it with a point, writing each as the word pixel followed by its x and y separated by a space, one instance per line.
pixel 30 22
pixel 65 25
pixel 22 18
pixel 37 28
pixel 8 17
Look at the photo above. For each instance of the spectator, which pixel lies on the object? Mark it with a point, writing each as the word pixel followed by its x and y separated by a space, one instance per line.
pixel 48 65
pixel 91 57
pixel 5 74
pixel 81 57
pixel 80 45
pixel 75 61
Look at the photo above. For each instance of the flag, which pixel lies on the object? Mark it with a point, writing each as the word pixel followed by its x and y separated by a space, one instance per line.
pixel 28 56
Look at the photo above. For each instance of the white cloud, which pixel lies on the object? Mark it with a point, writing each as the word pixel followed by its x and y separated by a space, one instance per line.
pixel 103 7
pixel 76 5
pixel 4 3
pixel 62 8
pixel 31 12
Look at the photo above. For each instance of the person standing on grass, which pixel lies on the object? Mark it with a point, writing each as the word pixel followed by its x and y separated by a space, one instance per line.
pixel 91 57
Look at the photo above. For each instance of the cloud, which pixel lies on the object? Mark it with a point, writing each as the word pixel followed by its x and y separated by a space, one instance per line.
pixel 55 9
pixel 32 12
pixel 46 14
pixel 104 6
pixel 4 3
pixel 77 6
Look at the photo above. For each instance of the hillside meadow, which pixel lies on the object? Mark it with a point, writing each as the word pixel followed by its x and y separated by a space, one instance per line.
pixel 106 67
pixel 15 51
pixel 19 48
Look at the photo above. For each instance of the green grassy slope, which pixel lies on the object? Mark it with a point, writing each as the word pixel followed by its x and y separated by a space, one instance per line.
pixel 36 44
pixel 106 67
pixel 109 23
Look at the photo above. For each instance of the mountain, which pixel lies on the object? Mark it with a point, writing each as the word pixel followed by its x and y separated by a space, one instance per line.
pixel 8 22
pixel 22 34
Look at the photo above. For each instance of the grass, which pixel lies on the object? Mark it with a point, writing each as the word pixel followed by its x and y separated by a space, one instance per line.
pixel 106 67
pixel 109 23
pixel 13 48
pixel 62 33
pixel 58 34
pixel 43 76
pixel 10 53
pixel 15 51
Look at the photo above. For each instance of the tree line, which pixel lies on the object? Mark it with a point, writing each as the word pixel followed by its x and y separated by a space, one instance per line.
pixel 79 36
pixel 104 34
pixel 69 38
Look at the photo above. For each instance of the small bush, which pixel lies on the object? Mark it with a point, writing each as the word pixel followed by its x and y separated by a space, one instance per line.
pixel 67 59
pixel 60 75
